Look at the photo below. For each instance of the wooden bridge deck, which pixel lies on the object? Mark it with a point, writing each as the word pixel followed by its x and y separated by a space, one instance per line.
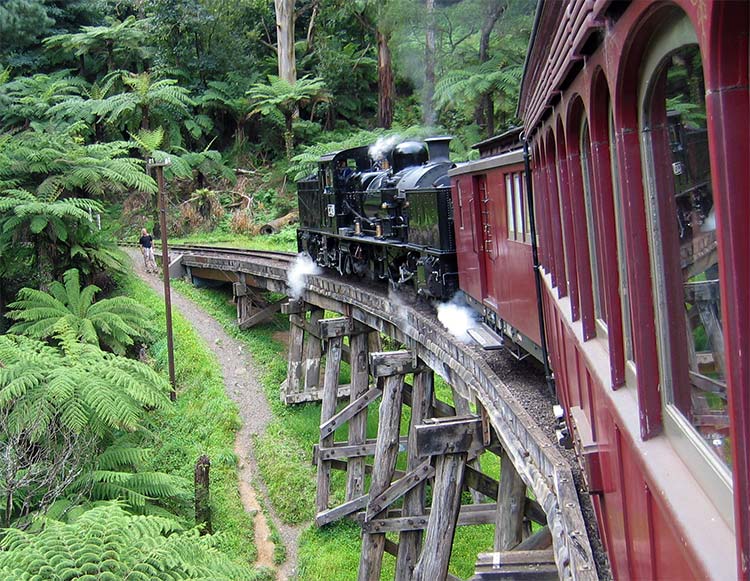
pixel 536 460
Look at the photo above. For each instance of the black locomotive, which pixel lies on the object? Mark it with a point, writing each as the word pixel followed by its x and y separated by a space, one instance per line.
pixel 383 216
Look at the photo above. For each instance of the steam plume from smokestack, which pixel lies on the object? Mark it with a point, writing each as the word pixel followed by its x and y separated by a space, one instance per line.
pixel 382 146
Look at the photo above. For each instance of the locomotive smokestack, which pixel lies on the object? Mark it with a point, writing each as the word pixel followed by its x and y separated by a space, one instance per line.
pixel 439 148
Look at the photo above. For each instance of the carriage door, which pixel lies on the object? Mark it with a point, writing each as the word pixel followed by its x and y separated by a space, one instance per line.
pixel 485 233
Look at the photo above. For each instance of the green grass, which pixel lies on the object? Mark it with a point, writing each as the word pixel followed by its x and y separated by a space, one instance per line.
pixel 285 239
pixel 284 457
pixel 203 420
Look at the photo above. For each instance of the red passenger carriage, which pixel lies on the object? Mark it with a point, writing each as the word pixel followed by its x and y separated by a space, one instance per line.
pixel 637 119
pixel 493 241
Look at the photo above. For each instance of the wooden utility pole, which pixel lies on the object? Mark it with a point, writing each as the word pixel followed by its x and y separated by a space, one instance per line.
pixel 158 166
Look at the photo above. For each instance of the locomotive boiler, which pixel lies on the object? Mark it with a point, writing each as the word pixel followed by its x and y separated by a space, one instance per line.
pixel 383 215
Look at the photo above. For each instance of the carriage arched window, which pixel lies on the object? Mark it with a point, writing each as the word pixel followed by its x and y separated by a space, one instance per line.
pixel 684 247
pixel 627 325
pixel 597 278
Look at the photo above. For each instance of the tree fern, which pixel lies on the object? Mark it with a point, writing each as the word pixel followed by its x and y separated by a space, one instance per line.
pixel 280 97
pixel 113 323
pixel 28 99
pixel 81 386
pixel 117 475
pixel 107 543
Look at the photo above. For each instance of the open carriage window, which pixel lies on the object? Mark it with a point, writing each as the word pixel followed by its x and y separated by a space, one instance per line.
pixel 684 246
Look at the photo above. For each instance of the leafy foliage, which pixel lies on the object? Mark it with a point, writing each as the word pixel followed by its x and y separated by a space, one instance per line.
pixel 111 323
pixel 146 100
pixel 118 473
pixel 118 43
pixel 53 164
pixel 107 543
pixel 79 386
pixel 280 99
pixel 27 99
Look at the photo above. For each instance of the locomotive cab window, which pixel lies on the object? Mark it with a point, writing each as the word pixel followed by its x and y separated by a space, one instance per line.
pixel 684 257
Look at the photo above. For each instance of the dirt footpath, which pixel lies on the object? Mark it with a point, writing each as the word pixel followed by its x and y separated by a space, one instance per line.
pixel 242 385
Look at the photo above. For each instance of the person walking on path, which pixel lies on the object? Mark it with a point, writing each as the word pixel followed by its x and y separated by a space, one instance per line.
pixel 147 249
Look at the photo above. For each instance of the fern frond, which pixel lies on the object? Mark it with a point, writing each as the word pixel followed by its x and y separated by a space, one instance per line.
pixel 109 543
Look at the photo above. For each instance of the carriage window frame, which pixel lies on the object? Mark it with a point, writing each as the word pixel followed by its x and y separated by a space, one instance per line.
pixel 595 263
pixel 519 207
pixel 510 214
pixel 460 196
pixel 622 265
pixel 710 472
pixel 516 211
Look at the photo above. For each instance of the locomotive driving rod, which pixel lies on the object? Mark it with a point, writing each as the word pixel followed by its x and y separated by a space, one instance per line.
pixel 537 272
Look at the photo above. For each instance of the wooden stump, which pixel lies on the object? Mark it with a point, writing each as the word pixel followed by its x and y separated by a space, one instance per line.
pixel 202 494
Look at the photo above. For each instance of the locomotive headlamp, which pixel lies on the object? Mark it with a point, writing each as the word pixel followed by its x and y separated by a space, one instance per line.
pixel 357 228
pixel 378 231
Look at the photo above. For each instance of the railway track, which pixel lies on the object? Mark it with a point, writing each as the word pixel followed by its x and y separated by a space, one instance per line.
pixel 277 255
pixel 512 415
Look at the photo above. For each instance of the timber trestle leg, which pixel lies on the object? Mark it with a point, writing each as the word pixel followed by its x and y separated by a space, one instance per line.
pixel 442 450
pixel 305 350
pixel 333 331
pixel 252 308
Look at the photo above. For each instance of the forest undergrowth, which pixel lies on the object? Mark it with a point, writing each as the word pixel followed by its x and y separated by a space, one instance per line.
pixel 202 421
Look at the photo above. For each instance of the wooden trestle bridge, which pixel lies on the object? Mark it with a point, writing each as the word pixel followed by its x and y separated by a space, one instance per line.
pixel 443 441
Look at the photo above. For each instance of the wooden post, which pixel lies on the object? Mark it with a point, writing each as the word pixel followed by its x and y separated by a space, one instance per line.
pixel 312 352
pixel 202 494
pixel 328 409
pixel 410 542
pixel 294 370
pixel 386 452
pixel 460 403
pixel 446 502
pixel 463 408
pixel 360 380
pixel 511 501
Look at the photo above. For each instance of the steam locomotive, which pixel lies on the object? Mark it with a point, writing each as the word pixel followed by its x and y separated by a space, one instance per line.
pixel 383 214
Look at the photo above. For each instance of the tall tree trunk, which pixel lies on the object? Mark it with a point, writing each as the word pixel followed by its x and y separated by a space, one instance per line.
pixel 311 26
pixel 144 117
pixel 484 114
pixel 385 81
pixel 428 107
pixel 288 135
pixel 110 44
pixel 285 40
